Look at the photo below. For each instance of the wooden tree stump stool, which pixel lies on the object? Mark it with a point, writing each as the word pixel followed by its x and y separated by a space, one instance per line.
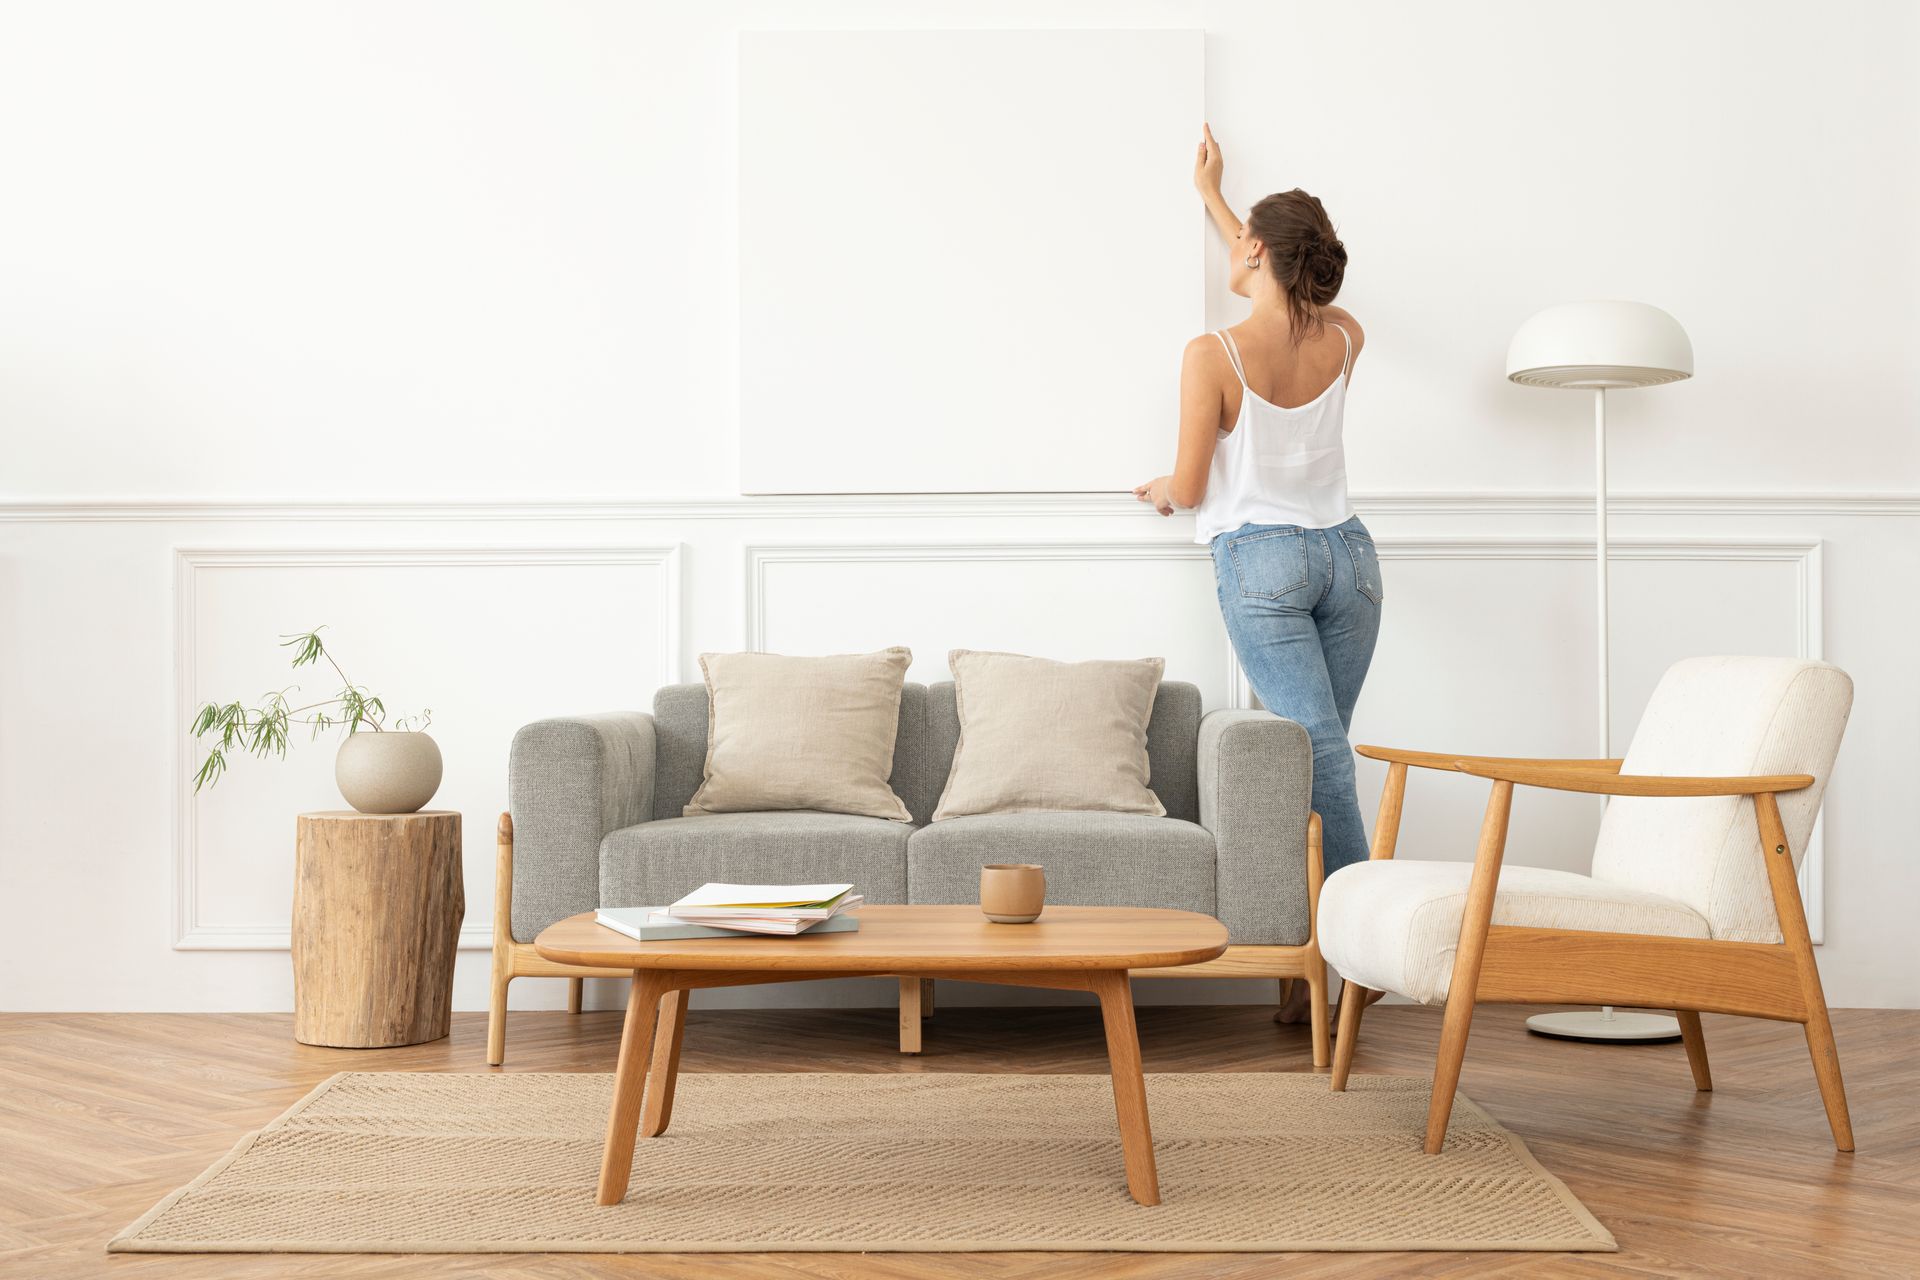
pixel 377 904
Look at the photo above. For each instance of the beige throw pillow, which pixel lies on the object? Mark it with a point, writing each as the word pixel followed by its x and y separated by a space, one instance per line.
pixel 802 733
pixel 1039 734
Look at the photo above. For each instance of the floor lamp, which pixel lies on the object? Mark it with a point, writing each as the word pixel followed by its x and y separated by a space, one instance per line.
pixel 1599 347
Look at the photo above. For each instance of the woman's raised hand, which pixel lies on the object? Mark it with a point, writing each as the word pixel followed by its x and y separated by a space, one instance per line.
pixel 1208 164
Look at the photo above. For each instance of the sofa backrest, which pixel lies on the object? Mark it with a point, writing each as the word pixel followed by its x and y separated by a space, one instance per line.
pixel 923 750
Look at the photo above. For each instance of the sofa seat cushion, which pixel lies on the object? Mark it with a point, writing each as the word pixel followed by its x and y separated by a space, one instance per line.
pixel 1092 859
pixel 657 862
pixel 1394 925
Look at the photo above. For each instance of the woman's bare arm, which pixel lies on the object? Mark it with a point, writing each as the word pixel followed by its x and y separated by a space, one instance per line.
pixel 1208 165
pixel 1202 405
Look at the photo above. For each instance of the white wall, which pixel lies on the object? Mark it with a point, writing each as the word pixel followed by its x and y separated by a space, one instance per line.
pixel 419 319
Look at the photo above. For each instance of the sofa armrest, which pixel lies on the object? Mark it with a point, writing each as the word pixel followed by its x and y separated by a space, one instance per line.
pixel 1256 797
pixel 570 781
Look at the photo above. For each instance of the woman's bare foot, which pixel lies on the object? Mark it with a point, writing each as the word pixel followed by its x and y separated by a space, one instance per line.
pixel 1298 1007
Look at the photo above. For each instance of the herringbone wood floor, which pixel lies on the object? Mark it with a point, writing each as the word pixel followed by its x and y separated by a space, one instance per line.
pixel 102 1114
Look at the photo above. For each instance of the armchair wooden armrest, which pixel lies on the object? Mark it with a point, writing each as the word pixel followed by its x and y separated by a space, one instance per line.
pixel 1610 782
pixel 1443 761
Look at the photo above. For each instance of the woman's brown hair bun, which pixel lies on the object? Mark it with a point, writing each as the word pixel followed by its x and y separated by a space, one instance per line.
pixel 1303 252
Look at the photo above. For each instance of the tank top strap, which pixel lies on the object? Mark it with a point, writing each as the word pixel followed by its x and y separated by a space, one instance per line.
pixel 1346 361
pixel 1233 354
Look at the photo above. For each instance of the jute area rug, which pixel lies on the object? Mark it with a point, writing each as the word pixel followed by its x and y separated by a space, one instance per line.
pixel 385 1162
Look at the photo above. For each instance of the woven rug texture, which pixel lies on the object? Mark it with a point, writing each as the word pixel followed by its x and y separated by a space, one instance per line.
pixel 401 1162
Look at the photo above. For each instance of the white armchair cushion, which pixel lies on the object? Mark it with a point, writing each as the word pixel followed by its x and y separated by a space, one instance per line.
pixel 1717 717
pixel 1394 925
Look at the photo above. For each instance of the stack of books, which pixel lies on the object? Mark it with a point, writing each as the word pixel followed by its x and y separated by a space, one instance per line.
pixel 728 910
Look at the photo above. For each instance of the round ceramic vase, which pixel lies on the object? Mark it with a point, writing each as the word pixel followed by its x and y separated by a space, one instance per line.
pixel 389 772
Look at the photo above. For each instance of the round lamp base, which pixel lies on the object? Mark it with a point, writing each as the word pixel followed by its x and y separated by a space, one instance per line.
pixel 1605 1024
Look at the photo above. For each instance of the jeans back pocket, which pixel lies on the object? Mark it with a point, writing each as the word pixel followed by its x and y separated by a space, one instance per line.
pixel 1269 565
pixel 1366 564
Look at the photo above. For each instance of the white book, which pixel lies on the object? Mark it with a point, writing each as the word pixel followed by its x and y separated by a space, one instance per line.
pixel 780 901
pixel 653 924
pixel 715 894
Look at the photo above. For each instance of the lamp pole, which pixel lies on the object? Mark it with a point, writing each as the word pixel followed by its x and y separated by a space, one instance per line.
pixel 1607 1024
pixel 1594 346
pixel 1600 561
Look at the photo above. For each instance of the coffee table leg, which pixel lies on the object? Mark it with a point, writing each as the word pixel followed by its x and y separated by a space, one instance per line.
pixel 630 1083
pixel 1129 1085
pixel 658 1112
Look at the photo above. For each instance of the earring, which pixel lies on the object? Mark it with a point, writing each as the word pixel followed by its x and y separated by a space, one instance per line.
pixel 1252 261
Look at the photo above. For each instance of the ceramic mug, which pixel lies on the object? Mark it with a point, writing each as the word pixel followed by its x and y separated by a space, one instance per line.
pixel 1012 892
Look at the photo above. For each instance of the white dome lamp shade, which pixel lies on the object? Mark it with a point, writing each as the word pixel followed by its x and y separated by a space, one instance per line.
pixel 1598 346
pixel 1601 347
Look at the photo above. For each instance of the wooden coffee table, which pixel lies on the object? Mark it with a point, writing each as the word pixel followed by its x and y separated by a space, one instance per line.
pixel 1070 948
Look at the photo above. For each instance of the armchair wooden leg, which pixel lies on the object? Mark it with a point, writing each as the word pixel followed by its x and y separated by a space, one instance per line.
pixel 1353 998
pixel 1792 916
pixel 1446 1067
pixel 1475 921
pixel 1826 1069
pixel 910 992
pixel 926 999
pixel 1696 1042
pixel 574 992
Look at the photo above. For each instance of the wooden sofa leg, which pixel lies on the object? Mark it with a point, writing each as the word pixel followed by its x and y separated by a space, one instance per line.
pixel 910 990
pixel 574 993
pixel 497 1012
pixel 1353 998
pixel 1317 996
pixel 1696 1042
pixel 926 999
pixel 502 941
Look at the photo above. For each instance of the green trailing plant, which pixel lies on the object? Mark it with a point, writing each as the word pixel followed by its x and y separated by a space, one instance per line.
pixel 264 729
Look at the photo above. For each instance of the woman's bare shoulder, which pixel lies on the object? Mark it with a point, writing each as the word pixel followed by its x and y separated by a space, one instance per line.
pixel 1205 352
pixel 1344 318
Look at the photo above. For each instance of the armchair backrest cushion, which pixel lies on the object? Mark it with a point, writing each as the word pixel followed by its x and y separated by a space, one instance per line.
pixel 923 750
pixel 1718 717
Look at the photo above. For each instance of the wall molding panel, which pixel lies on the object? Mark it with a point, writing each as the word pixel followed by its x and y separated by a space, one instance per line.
pixel 191 510
pixel 757 559
pixel 1805 555
pixel 190 933
pixel 761 556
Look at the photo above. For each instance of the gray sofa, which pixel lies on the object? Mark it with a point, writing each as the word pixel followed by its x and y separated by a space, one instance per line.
pixel 596 821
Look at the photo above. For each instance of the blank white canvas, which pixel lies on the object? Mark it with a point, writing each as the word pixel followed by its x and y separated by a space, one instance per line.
pixel 968 259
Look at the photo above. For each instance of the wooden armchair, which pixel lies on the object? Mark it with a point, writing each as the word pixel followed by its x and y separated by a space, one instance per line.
pixel 1692 904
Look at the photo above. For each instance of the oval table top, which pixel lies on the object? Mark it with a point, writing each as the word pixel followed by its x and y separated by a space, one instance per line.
pixel 915 939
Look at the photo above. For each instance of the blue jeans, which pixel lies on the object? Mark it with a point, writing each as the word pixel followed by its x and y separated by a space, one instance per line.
pixel 1302 608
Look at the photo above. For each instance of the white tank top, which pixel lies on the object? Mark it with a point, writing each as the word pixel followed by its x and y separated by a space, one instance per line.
pixel 1277 465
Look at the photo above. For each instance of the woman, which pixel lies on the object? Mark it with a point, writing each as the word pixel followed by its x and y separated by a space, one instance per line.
pixel 1260 463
